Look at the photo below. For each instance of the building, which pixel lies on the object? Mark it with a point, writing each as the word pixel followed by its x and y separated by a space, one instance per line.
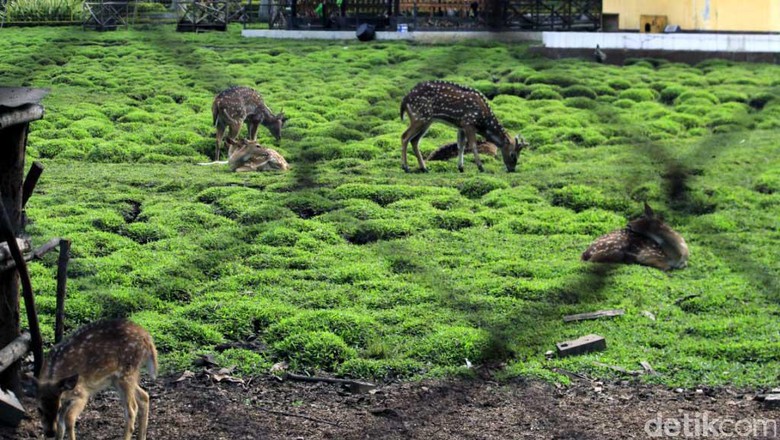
pixel 693 15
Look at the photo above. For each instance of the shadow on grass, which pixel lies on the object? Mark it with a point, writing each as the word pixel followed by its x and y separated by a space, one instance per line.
pixel 531 324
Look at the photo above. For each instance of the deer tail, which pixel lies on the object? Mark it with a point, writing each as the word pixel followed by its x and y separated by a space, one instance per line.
pixel 403 108
pixel 214 113
pixel 151 361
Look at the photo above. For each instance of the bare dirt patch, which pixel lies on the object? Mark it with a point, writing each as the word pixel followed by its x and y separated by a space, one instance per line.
pixel 266 408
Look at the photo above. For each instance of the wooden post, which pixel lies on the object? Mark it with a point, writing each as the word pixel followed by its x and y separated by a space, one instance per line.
pixel 18 107
pixel 12 146
pixel 62 278
pixel 7 233
pixel 30 181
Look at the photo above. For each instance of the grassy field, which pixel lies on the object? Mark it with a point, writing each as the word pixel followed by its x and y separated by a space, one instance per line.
pixel 349 265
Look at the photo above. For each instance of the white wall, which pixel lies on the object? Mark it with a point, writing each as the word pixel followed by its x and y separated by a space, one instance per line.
pixel 677 41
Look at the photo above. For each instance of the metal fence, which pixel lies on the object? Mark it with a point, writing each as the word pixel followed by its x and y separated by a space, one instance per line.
pixel 533 15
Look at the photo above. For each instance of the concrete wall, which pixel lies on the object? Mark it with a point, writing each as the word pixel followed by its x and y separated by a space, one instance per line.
pixel 701 15
pixel 692 42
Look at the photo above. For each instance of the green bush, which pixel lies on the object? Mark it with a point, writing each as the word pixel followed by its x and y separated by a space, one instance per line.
pixel 638 95
pixel 314 349
pixel 477 187
pixel 578 90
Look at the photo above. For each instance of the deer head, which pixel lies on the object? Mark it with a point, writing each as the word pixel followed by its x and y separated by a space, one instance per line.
pixel 275 123
pixel 652 226
pixel 51 397
pixel 510 151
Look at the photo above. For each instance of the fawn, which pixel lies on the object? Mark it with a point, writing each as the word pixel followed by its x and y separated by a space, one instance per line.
pixel 464 108
pixel 105 353
pixel 647 241
pixel 246 155
pixel 448 151
pixel 236 105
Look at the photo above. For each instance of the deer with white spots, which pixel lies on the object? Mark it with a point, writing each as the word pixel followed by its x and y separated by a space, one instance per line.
pixel 647 241
pixel 103 354
pixel 461 107
pixel 246 155
pixel 236 105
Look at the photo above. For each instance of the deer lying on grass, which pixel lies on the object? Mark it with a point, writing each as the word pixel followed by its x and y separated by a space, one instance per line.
pixel 647 241
pixel 464 108
pixel 106 353
pixel 234 106
pixel 448 151
pixel 246 155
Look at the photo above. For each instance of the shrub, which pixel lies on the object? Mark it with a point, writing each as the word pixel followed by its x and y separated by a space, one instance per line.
pixel 638 95
pixel 477 187
pixel 578 90
pixel 314 350
pixel 691 96
pixel 544 93
pixel 556 79
pixel 452 346
pixel 353 328
pixel 670 94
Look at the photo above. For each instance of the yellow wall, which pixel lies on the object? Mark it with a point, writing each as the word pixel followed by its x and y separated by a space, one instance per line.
pixel 701 15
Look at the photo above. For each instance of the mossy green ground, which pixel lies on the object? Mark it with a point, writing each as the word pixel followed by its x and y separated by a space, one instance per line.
pixel 347 264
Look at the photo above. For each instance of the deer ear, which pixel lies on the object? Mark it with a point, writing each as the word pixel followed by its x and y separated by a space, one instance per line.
pixel 649 211
pixel 68 383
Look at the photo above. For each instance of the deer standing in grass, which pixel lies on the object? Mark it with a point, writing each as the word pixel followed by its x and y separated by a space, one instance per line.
pixel 647 241
pixel 103 354
pixel 246 155
pixel 236 105
pixel 464 108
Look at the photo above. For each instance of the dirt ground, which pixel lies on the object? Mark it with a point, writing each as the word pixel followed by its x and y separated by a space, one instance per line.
pixel 267 408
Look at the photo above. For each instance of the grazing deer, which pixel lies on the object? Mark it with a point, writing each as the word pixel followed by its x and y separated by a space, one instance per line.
pixel 246 155
pixel 647 241
pixel 234 106
pixel 448 151
pixel 106 353
pixel 464 108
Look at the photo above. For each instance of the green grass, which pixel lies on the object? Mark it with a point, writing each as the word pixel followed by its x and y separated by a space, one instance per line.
pixel 349 265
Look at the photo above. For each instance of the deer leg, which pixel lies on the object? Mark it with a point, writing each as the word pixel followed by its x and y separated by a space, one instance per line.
pixel 412 131
pixel 253 126
pixel 143 406
pixel 653 257
pixel 471 136
pixel 66 423
pixel 127 391
pixel 220 133
pixel 415 146
pixel 461 148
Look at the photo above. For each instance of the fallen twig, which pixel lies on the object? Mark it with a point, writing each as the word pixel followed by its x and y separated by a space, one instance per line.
pixel 618 369
pixel 354 385
pixel 593 315
pixel 283 413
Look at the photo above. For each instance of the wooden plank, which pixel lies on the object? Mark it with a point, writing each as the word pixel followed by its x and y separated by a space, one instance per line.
pixel 593 315
pixel 582 345
pixel 62 278
pixel 36 254
pixel 24 114
pixel 11 410
pixel 6 232
pixel 30 181
pixel 17 96
pixel 15 350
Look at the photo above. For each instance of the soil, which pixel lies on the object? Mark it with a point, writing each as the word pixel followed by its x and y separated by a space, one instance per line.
pixel 198 407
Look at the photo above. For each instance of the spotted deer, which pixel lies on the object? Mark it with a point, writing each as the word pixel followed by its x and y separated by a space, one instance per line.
pixel 236 105
pixel 462 107
pixel 647 241
pixel 103 354
pixel 246 155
